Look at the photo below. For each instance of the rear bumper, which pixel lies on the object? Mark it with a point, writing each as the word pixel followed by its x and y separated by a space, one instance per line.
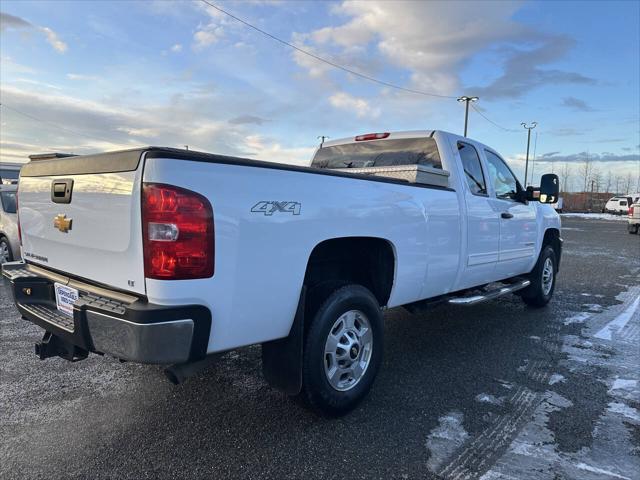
pixel 109 322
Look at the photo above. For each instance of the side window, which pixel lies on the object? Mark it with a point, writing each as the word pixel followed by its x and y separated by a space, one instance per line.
pixel 472 169
pixel 504 182
pixel 8 201
pixel 623 203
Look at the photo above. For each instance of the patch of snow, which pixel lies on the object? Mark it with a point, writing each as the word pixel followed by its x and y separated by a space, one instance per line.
pixel 578 318
pixel 595 216
pixel 505 384
pixel 585 294
pixel 618 323
pixel 486 398
pixel 445 439
pixel 593 307
pixel 624 384
pixel 555 378
pixel 534 337
pixel 589 468
pixel 624 410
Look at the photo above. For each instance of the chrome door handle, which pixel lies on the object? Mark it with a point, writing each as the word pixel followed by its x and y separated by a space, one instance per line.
pixel 506 215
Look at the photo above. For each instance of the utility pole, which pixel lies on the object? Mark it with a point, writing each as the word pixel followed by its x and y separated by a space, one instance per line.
pixel 533 161
pixel 322 139
pixel 526 165
pixel 466 100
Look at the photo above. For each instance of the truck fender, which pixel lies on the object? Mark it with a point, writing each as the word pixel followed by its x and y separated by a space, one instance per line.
pixel 282 358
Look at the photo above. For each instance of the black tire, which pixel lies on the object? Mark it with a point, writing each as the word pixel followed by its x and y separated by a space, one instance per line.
pixel 534 295
pixel 4 244
pixel 317 390
pixel 632 229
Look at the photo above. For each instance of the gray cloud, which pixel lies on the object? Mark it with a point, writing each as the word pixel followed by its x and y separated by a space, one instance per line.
pixel 522 72
pixel 245 119
pixel 595 157
pixel 576 104
pixel 9 21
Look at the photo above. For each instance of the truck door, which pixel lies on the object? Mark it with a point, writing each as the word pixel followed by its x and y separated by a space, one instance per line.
pixel 518 226
pixel 483 224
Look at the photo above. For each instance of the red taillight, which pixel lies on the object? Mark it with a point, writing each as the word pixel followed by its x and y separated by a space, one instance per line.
pixel 372 136
pixel 177 229
pixel 631 211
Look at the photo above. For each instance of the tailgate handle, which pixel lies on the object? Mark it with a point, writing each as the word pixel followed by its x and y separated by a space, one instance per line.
pixel 61 191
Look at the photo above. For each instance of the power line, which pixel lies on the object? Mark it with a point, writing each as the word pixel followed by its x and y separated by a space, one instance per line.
pixel 321 59
pixel 491 121
pixel 55 125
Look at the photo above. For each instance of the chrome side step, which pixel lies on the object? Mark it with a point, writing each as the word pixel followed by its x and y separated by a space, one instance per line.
pixel 491 294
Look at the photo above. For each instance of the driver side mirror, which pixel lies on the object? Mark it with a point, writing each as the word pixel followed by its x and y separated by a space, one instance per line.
pixel 549 188
pixel 548 191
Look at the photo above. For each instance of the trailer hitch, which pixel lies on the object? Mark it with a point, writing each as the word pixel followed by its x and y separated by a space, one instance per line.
pixel 53 346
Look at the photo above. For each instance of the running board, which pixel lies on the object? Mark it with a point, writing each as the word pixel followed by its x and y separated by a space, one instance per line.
pixel 491 294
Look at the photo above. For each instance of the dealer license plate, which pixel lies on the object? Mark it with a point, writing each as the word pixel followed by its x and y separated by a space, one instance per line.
pixel 65 298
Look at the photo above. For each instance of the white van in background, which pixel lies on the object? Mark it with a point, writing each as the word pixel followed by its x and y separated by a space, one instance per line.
pixel 618 205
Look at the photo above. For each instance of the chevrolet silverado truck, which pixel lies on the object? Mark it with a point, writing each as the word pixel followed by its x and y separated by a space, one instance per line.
pixel 167 256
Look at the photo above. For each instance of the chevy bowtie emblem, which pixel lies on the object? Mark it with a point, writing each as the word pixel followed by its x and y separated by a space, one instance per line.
pixel 62 223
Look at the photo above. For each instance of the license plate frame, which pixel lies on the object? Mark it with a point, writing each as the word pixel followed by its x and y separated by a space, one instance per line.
pixel 65 298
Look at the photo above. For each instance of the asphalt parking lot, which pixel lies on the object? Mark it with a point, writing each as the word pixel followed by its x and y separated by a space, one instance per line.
pixel 492 391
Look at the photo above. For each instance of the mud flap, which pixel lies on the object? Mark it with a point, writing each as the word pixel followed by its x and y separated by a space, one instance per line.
pixel 282 358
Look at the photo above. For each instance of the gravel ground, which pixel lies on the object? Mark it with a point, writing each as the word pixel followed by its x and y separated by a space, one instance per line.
pixel 492 391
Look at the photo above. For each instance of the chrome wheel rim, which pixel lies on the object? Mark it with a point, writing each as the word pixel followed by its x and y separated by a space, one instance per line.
pixel 547 276
pixel 348 349
pixel 4 252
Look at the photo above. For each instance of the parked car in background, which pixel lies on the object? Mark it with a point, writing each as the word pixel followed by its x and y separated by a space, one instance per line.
pixel 618 205
pixel 634 217
pixel 9 238
pixel 9 173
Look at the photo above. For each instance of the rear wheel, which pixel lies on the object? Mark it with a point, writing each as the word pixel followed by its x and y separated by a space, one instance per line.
pixel 542 278
pixel 5 251
pixel 633 228
pixel 343 350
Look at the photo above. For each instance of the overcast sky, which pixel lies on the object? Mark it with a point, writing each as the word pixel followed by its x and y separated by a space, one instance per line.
pixel 108 75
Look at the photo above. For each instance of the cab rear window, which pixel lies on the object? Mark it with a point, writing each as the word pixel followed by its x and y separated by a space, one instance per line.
pixel 379 153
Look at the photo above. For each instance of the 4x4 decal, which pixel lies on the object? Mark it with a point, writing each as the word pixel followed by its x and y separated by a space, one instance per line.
pixel 269 208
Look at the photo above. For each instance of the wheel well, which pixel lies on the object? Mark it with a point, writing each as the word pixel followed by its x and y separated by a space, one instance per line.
pixel 367 261
pixel 552 238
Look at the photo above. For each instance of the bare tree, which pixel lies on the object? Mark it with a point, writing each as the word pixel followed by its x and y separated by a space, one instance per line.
pixel 565 175
pixel 609 182
pixel 585 172
pixel 626 184
pixel 596 180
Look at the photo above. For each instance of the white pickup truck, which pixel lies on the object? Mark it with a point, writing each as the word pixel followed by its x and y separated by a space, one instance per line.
pixel 159 255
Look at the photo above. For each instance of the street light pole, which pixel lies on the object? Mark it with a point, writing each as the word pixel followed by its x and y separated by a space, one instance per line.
pixel 526 164
pixel 466 100
pixel 322 139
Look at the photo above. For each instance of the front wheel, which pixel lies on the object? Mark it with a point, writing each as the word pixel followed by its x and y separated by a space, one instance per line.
pixel 343 350
pixel 542 278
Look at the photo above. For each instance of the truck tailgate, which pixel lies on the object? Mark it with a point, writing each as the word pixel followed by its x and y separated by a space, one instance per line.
pixel 92 230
